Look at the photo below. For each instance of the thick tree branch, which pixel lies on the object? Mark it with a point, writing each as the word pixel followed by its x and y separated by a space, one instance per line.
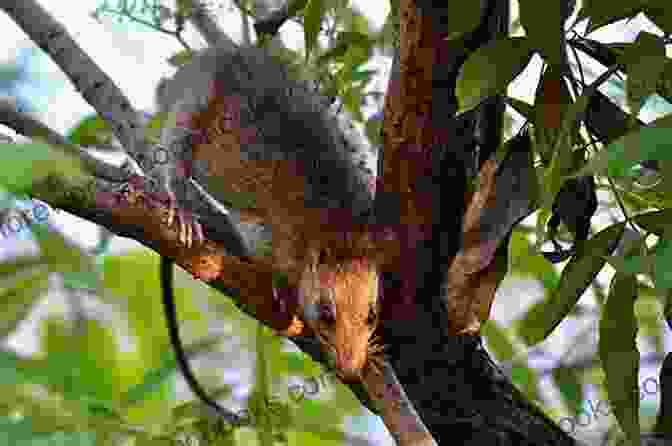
pixel 250 286
pixel 459 392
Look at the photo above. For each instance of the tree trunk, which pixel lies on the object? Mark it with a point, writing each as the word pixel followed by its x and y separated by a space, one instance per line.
pixel 459 392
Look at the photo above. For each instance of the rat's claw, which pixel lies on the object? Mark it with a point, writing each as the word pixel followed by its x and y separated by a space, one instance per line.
pixel 190 230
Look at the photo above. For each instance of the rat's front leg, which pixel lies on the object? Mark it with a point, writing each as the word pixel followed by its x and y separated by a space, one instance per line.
pixel 168 169
pixel 172 169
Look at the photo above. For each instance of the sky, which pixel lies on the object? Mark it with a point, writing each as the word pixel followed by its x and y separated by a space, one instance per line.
pixel 136 59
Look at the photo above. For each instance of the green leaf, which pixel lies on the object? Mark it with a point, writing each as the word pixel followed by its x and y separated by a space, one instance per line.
pixel 318 434
pixel 153 381
pixel 133 280
pixel 562 161
pixel 657 222
pixel 9 372
pixel 619 354
pixel 312 21
pixel 659 13
pixel 181 58
pixel 522 107
pixel 667 308
pixel 363 75
pixel 352 99
pixel 156 378
pixel 13 432
pixel 558 170
pixel 499 341
pixel 373 129
pixel 569 384
pixel 296 362
pixel 631 264
pixel 526 379
pixel 478 79
pixel 577 275
pixel 313 411
pixel 605 12
pixel 18 298
pixel 664 88
pixel 84 363
pixel 644 61
pixel 653 142
pixel 154 126
pixel 90 131
pixel 49 411
pixel 462 17
pixel 295 6
pixel 662 253
pixel 344 41
pixel 543 23
pixel 61 254
pixel 648 312
pixel 26 164
pixel 526 261
pixel 80 279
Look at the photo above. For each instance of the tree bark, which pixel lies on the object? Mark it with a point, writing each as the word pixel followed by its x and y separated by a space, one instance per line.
pixel 459 392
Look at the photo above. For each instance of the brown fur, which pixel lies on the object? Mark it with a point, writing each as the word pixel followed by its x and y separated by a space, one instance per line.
pixel 355 292
pixel 316 247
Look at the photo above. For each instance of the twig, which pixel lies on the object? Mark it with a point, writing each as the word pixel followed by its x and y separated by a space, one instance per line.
pixel 399 416
pixel 95 86
pixel 272 22
pixel 173 33
pixel 202 20
pixel 28 126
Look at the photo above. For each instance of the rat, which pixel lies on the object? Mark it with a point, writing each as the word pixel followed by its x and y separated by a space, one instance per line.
pixel 259 141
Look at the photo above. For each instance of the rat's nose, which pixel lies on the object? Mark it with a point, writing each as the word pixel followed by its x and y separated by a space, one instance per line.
pixel 348 367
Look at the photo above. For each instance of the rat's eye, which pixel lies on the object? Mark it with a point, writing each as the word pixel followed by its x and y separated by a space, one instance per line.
pixel 322 257
pixel 372 316
pixel 326 311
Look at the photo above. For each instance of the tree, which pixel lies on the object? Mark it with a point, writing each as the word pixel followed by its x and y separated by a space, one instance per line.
pixel 441 139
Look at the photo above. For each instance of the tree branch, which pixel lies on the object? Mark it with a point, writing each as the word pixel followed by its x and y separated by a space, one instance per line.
pixel 206 25
pixel 461 395
pixel 32 128
pixel 95 86
pixel 102 94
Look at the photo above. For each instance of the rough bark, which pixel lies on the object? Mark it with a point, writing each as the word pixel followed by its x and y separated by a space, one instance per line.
pixel 459 392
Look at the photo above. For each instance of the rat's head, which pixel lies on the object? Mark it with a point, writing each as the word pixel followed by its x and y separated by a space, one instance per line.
pixel 340 304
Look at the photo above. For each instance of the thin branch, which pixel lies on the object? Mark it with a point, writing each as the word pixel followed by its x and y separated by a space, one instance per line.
pixel 173 33
pixel 30 127
pixel 612 185
pixel 272 22
pixel 206 25
pixel 95 86
pixel 399 416
pixel 621 205
pixel 98 89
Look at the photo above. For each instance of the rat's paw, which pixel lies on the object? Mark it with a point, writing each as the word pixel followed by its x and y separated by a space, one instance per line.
pixel 126 194
pixel 145 189
pixel 189 229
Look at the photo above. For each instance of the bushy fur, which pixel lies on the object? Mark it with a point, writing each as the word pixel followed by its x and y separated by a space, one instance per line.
pixel 258 140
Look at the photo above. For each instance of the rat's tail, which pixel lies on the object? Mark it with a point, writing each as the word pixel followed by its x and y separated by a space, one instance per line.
pixel 166 276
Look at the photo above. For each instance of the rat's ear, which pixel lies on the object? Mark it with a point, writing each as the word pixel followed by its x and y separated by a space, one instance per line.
pixel 385 249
